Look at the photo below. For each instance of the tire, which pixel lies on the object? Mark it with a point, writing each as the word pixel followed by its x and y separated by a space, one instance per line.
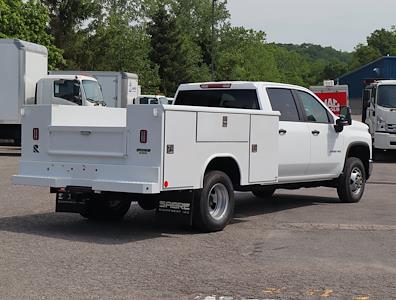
pixel 352 181
pixel 148 203
pixel 214 204
pixel 100 208
pixel 264 192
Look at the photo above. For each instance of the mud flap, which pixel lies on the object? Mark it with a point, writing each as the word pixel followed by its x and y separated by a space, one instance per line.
pixel 176 207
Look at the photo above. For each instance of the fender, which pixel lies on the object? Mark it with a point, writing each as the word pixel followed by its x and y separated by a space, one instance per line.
pixel 367 164
pixel 219 155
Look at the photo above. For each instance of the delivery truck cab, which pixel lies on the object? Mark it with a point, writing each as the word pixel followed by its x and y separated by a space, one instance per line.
pixel 69 90
pixel 379 113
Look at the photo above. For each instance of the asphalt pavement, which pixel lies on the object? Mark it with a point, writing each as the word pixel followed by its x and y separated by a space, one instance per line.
pixel 299 245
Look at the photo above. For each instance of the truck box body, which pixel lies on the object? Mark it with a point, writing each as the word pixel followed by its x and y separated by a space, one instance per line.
pixel 22 64
pixel 119 88
pixel 141 149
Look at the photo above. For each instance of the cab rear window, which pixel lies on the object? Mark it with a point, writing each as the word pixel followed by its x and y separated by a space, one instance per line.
pixel 243 99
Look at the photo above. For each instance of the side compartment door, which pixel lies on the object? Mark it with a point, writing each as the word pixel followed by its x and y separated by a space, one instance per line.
pixel 263 159
pixel 294 139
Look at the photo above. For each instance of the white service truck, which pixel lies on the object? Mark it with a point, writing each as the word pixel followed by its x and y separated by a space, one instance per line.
pixel 379 113
pixel 24 81
pixel 119 89
pixel 187 159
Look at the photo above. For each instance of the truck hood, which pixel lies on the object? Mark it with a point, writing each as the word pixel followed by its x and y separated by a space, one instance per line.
pixel 359 125
pixel 387 114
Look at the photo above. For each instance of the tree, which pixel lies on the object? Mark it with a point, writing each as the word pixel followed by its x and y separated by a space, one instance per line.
pixel 167 51
pixel 243 55
pixel 27 20
pixel 384 41
pixel 363 55
pixel 117 46
pixel 67 19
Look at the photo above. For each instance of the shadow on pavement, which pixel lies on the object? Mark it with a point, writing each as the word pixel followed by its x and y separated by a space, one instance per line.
pixel 141 225
pixel 385 157
pixel 248 205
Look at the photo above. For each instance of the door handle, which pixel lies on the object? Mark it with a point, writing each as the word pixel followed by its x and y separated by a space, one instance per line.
pixel 282 132
pixel 316 132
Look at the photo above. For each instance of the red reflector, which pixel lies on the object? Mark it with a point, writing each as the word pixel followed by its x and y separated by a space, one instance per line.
pixel 143 136
pixel 166 184
pixel 36 134
pixel 216 86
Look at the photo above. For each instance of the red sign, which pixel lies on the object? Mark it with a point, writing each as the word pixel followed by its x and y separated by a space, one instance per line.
pixel 334 100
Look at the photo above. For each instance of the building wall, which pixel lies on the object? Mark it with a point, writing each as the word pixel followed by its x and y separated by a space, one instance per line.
pixel 383 68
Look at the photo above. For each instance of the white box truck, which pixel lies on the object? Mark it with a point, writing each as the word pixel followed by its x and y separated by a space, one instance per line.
pixel 22 65
pixel 24 81
pixel 119 89
pixel 379 113
pixel 186 159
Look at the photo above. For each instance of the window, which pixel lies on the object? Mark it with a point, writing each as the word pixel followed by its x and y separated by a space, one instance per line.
pixel 92 90
pixel 68 90
pixel 244 99
pixel 282 100
pixel 314 111
pixel 387 96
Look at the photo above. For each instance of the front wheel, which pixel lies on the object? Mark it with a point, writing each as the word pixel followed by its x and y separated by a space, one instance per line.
pixel 105 209
pixel 352 182
pixel 214 204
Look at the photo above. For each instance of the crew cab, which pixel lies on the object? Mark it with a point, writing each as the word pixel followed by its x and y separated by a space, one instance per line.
pixel 186 160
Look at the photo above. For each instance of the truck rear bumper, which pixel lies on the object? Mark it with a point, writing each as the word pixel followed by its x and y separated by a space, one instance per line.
pixel 385 141
pixel 112 178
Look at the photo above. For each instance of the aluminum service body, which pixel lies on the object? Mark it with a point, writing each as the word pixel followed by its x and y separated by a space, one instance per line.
pixel 100 147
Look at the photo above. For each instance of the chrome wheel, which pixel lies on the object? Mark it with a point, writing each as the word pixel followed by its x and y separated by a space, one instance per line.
pixel 356 181
pixel 218 201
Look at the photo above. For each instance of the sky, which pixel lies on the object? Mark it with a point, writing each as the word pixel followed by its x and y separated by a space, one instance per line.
pixel 341 24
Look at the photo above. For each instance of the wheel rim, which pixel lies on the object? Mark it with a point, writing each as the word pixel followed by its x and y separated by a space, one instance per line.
pixel 218 201
pixel 356 181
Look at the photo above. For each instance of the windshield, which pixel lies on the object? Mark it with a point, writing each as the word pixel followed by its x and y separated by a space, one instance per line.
pixel 387 96
pixel 92 91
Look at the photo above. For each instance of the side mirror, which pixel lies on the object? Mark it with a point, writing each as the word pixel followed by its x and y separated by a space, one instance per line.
pixel 345 119
pixel 346 115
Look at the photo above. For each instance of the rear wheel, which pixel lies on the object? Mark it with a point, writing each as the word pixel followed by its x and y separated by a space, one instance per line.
pixel 352 182
pixel 104 209
pixel 264 192
pixel 214 204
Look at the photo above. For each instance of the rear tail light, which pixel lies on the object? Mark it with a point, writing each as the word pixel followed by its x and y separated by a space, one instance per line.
pixel 36 134
pixel 143 136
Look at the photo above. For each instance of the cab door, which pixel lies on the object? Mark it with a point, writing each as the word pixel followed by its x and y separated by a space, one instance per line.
pixel 327 151
pixel 294 136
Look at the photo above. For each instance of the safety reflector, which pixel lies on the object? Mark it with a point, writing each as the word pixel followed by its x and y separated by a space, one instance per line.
pixel 143 136
pixel 36 134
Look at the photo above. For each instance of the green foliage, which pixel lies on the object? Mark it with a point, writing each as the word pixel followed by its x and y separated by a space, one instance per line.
pixel 167 50
pixel 381 42
pixel 243 55
pixel 168 42
pixel 28 21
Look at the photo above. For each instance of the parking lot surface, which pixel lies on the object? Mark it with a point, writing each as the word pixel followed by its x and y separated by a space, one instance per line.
pixel 299 245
